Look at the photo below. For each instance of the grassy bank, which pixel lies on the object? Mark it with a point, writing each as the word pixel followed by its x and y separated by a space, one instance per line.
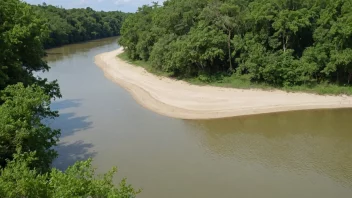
pixel 243 82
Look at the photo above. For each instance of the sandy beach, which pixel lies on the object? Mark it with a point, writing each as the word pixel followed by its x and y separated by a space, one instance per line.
pixel 179 99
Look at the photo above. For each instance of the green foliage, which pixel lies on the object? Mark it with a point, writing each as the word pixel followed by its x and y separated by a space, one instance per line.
pixel 282 43
pixel 243 81
pixel 77 25
pixel 79 180
pixel 21 36
pixel 21 126
pixel 23 106
pixel 18 180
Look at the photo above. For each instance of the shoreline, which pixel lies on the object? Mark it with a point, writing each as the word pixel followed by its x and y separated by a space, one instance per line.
pixel 179 99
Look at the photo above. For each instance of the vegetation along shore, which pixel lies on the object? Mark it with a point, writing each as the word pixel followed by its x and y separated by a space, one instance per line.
pixel 180 99
pixel 296 46
pixel 291 45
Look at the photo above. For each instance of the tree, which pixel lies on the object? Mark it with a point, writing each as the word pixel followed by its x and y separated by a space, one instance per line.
pixel 334 34
pixel 138 35
pixel 21 50
pixel 224 15
pixel 22 128
pixel 79 180
pixel 67 26
pixel 279 42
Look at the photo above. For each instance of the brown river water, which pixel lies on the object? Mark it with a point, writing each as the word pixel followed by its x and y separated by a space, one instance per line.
pixel 306 154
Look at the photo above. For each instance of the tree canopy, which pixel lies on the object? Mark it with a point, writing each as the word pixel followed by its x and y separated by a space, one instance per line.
pixel 68 26
pixel 21 43
pixel 79 180
pixel 278 42
pixel 21 127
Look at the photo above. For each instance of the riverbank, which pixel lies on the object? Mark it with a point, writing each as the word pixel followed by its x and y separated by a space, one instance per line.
pixel 243 81
pixel 180 99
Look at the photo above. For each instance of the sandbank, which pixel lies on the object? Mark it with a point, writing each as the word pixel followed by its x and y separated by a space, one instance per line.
pixel 179 99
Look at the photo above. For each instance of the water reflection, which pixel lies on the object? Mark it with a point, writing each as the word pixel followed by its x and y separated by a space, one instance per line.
pixel 65 104
pixel 68 51
pixel 300 142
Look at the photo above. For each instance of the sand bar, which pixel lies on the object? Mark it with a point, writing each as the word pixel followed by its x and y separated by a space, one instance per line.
pixel 179 99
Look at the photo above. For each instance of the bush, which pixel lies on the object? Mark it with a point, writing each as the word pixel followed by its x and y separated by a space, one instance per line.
pixel 79 180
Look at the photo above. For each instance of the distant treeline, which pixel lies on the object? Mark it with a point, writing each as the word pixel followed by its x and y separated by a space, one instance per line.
pixel 278 42
pixel 68 26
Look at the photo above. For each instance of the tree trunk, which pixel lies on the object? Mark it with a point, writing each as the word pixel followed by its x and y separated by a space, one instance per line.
pixel 286 43
pixel 283 43
pixel 337 76
pixel 349 75
pixel 229 48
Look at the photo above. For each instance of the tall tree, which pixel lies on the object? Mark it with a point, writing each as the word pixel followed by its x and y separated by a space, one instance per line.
pixel 21 36
pixel 225 16
pixel 21 126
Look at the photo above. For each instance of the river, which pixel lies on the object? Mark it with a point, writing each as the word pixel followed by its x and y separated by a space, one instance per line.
pixel 298 154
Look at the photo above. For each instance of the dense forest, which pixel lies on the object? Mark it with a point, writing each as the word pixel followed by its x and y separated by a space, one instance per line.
pixel 68 26
pixel 26 142
pixel 278 42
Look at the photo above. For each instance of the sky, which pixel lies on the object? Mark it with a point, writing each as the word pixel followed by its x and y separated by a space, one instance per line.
pixel 106 5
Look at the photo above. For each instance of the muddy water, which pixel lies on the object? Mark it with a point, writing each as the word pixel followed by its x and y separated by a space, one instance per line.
pixel 299 154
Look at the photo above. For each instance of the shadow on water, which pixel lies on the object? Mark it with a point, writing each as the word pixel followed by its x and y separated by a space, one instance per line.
pixel 71 153
pixel 68 51
pixel 65 104
pixel 69 122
